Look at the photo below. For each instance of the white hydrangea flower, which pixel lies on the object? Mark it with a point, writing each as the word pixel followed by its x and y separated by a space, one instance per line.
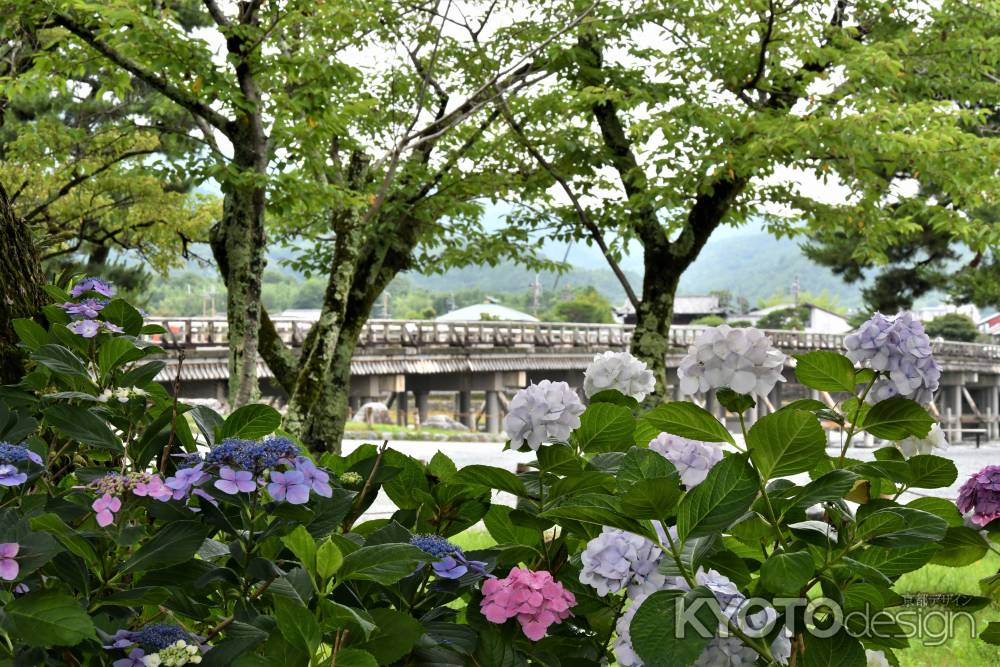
pixel 616 559
pixel 543 412
pixel 741 359
pixel 692 458
pixel 781 647
pixel 877 659
pixel 935 440
pixel 726 652
pixel 621 371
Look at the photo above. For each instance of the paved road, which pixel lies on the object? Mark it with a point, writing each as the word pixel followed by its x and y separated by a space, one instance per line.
pixel 968 459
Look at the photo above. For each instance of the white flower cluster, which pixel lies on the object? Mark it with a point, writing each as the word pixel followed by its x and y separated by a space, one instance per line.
pixel 122 394
pixel 177 654
pixel 543 412
pixel 935 440
pixel 876 659
pixel 740 359
pixel 692 458
pixel 621 371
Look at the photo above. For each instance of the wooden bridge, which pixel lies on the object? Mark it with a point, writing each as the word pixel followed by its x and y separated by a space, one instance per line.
pixel 492 359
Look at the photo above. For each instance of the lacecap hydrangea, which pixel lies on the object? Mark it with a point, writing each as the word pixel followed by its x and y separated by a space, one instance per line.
pixel 743 360
pixel 899 348
pixel 543 412
pixel 619 371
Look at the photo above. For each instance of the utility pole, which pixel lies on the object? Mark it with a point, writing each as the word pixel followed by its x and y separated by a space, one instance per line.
pixel 536 293
pixel 796 289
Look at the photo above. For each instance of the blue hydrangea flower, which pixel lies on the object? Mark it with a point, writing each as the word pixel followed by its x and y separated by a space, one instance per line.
pixel 615 560
pixel 435 545
pixel 86 309
pixel 692 458
pixel 901 349
pixel 451 562
pixel 252 455
pixel 14 453
pixel 156 636
pixel 92 285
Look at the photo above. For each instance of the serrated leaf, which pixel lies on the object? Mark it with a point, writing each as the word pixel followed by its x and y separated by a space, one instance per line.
pixel 605 427
pixel 251 422
pixel 897 418
pixel 686 420
pixel 726 494
pixel 785 443
pixel 825 371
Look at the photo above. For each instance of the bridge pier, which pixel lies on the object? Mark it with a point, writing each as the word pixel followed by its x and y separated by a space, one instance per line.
pixel 402 408
pixel 465 413
pixel 422 400
pixel 492 411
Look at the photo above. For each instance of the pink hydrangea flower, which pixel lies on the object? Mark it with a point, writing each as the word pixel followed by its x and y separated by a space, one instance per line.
pixel 235 481
pixel 106 506
pixel 153 488
pixel 8 565
pixel 534 598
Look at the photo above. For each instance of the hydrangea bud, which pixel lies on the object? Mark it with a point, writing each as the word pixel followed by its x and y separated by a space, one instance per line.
pixel 935 440
pixel 615 560
pixel 692 458
pixel 543 412
pixel 980 495
pixel 739 359
pixel 620 371
pixel 900 348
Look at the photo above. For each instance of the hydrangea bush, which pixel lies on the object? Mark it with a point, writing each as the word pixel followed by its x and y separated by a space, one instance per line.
pixel 138 531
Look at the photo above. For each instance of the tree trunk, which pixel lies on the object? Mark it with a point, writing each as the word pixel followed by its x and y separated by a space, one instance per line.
pixel 651 338
pixel 238 243
pixel 21 283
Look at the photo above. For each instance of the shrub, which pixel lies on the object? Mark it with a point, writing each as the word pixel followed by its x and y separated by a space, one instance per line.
pixel 137 530
pixel 953 326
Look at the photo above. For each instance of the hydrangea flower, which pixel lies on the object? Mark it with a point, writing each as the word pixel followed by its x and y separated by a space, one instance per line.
pixel 900 348
pixel 692 458
pixel 351 479
pixel 317 478
pixel 14 453
pixel 185 480
pixel 158 645
pixel 620 371
pixel 935 440
pixel 615 560
pixel 547 411
pixel 253 455
pixel 11 476
pixel 876 659
pixel 105 507
pixel 451 562
pixel 289 486
pixel 86 309
pixel 980 495
pixel 235 481
pixel 134 659
pixel 92 285
pixel 9 566
pixel 85 328
pixel 534 598
pixel 739 359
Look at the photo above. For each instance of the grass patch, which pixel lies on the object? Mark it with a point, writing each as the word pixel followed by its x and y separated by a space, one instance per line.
pixel 396 428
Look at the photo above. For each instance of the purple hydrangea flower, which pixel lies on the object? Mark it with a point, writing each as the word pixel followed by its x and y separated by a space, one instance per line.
pixel 92 285
pixel 547 411
pixel 11 476
pixel 980 495
pixel 289 486
pixel 21 589
pixel 452 562
pixel 9 566
pixel 85 328
pixel 235 481
pixel 13 453
pixel 317 479
pixel 134 659
pixel 111 327
pixel 692 458
pixel 86 309
pixel 253 455
pixel 185 479
pixel 900 348
pixel 739 359
pixel 615 560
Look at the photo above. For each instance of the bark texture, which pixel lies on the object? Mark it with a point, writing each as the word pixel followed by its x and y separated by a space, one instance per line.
pixel 21 283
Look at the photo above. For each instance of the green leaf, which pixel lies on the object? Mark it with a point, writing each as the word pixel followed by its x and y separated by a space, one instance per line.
pixel 713 505
pixel 655 631
pixel 686 420
pixel 605 427
pixel 120 312
pixel 328 559
pixel 116 351
pixel 60 361
pixel 901 527
pixel 785 443
pixel 355 657
pixel 80 424
pixel 596 509
pixel 69 538
pixel 177 542
pixel 49 618
pixel 893 562
pixel 787 572
pixel 931 472
pixel 441 466
pixel 209 422
pixel 833 485
pixel 297 624
pixel 840 650
pixel 336 616
pixel 504 531
pixel 735 403
pixel 396 635
pixel 941 507
pixel 136 597
pixel 826 371
pixel 991 635
pixel 302 544
pixel 490 477
pixel 251 422
pixel 649 484
pixel 960 547
pixel 897 418
pixel 384 563
pixel 31 333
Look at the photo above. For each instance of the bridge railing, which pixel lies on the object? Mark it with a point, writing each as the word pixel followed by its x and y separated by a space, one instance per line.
pixel 193 332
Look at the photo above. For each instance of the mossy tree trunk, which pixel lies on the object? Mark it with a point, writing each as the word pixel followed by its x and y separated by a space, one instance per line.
pixel 21 283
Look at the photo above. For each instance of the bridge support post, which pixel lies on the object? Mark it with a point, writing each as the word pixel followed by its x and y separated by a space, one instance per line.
pixel 465 414
pixel 402 408
pixel 422 399
pixel 993 401
pixel 492 411
pixel 953 398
